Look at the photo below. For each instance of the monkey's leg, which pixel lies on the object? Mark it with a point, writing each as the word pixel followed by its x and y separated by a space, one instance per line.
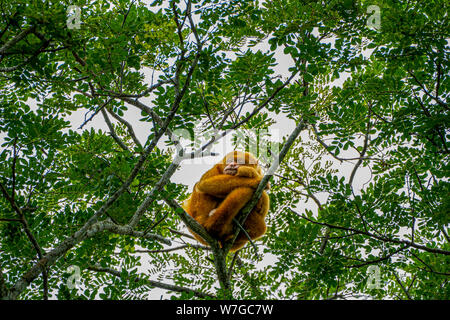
pixel 219 223
pixel 254 225
pixel 200 206
pixel 255 228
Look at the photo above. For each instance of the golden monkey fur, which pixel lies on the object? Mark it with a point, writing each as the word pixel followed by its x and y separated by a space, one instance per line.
pixel 222 192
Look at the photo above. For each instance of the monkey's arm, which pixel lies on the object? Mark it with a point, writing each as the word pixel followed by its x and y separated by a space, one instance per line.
pixel 222 184
pixel 219 221
pixel 251 173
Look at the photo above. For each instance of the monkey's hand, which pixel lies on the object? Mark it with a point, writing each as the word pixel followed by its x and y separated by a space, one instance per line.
pixel 249 172
pixel 211 212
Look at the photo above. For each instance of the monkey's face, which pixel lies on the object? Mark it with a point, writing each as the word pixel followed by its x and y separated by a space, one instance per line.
pixel 234 160
pixel 231 168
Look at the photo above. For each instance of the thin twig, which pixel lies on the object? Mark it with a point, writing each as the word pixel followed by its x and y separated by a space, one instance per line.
pixel 95 113
pixel 127 124
pixel 112 131
pixel 402 286
pixel 248 237
pixel 381 238
pixel 230 269
pixel 363 152
pixel 377 260
pixel 422 86
pixel 189 245
pixel 157 284
pixel 428 266
pixel 181 233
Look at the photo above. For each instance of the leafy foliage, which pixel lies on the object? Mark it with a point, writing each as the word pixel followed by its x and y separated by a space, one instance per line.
pixel 365 185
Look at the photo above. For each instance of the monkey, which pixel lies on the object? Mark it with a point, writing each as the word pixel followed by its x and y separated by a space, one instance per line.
pixel 222 192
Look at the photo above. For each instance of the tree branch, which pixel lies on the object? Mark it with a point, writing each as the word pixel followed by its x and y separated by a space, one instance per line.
pixel 3 286
pixel 157 284
pixel 428 266
pixel 191 223
pixel 402 286
pixel 44 45
pixel 439 101
pixel 363 152
pixel 189 245
pixel 243 214
pixel 16 39
pixel 127 124
pixel 112 132
pixel 81 234
pixel 381 238
pixel 377 260
pixel 29 234
pixel 124 230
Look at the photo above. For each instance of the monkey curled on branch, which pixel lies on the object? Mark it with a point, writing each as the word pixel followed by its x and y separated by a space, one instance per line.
pixel 222 192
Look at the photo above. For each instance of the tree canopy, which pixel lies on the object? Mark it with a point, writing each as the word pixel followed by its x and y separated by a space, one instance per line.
pixel 360 193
